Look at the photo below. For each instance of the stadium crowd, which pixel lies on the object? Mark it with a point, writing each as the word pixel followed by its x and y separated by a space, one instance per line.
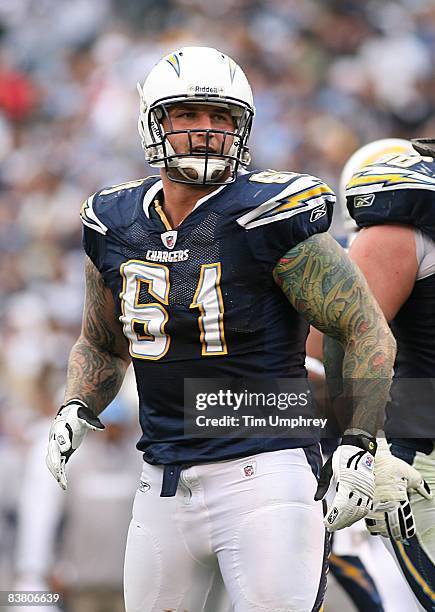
pixel 327 77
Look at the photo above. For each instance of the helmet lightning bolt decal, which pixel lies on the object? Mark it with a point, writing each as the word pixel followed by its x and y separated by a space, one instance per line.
pixel 175 63
pixel 373 175
pixel 233 67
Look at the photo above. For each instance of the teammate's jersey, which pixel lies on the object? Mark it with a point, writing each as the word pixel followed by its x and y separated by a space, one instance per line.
pixel 200 301
pixel 401 189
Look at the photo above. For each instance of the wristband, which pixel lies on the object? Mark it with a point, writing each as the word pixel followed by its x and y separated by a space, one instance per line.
pixel 72 401
pixel 361 441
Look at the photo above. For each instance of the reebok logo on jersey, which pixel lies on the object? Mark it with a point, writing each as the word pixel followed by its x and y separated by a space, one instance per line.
pixel 169 238
pixel 318 212
pixel 167 256
pixel 364 200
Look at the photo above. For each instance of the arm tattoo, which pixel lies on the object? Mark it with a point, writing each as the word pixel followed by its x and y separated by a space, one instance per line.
pixel 324 286
pixel 98 360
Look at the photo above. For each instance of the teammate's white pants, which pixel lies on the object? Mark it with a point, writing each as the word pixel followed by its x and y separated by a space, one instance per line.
pixel 424 509
pixel 255 518
pixel 416 559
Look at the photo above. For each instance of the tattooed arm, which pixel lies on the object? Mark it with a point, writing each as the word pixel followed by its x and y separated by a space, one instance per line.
pixel 99 359
pixel 96 368
pixel 324 286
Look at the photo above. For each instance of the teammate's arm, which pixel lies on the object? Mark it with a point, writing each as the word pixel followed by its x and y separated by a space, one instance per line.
pixel 386 255
pixel 324 286
pixel 99 358
pixel 96 368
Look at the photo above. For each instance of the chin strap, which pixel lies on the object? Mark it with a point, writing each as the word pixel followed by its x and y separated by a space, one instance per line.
pixel 199 171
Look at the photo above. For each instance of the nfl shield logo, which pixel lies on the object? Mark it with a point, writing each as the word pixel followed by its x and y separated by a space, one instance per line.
pixel 169 239
pixel 369 461
pixel 249 469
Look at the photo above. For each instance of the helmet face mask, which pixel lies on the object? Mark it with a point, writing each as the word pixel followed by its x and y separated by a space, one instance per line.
pixel 222 78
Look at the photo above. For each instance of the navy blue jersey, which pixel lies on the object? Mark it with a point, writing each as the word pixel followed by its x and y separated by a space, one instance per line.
pixel 398 189
pixel 200 301
pixel 401 189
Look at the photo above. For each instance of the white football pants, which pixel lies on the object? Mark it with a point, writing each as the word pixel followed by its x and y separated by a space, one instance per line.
pixel 416 558
pixel 254 519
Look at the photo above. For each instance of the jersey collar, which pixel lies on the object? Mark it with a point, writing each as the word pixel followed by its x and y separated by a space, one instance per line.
pixel 150 196
pixel 208 196
pixel 152 192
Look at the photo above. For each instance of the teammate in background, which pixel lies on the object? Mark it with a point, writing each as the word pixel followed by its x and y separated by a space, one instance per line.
pixel 390 193
pixel 211 271
pixel 361 565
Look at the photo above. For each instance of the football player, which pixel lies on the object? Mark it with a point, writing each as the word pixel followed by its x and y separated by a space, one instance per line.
pixel 390 192
pixel 210 271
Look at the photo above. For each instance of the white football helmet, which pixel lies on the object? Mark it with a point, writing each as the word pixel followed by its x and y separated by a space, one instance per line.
pixel 200 75
pixel 364 156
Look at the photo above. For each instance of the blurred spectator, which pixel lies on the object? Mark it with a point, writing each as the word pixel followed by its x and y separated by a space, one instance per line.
pixel 17 94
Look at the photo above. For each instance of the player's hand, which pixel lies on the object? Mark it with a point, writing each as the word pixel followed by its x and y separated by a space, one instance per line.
pixel 392 514
pixel 70 426
pixel 347 482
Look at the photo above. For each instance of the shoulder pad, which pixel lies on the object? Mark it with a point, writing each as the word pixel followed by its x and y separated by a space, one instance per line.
pixel 115 206
pixel 398 189
pixel 283 195
pixel 89 218
pixel 392 173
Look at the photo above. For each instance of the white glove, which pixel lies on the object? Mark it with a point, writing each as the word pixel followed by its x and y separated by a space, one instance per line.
pixel 70 426
pixel 347 481
pixel 392 514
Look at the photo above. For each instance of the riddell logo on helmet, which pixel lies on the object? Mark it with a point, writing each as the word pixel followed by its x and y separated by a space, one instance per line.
pixel 205 89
